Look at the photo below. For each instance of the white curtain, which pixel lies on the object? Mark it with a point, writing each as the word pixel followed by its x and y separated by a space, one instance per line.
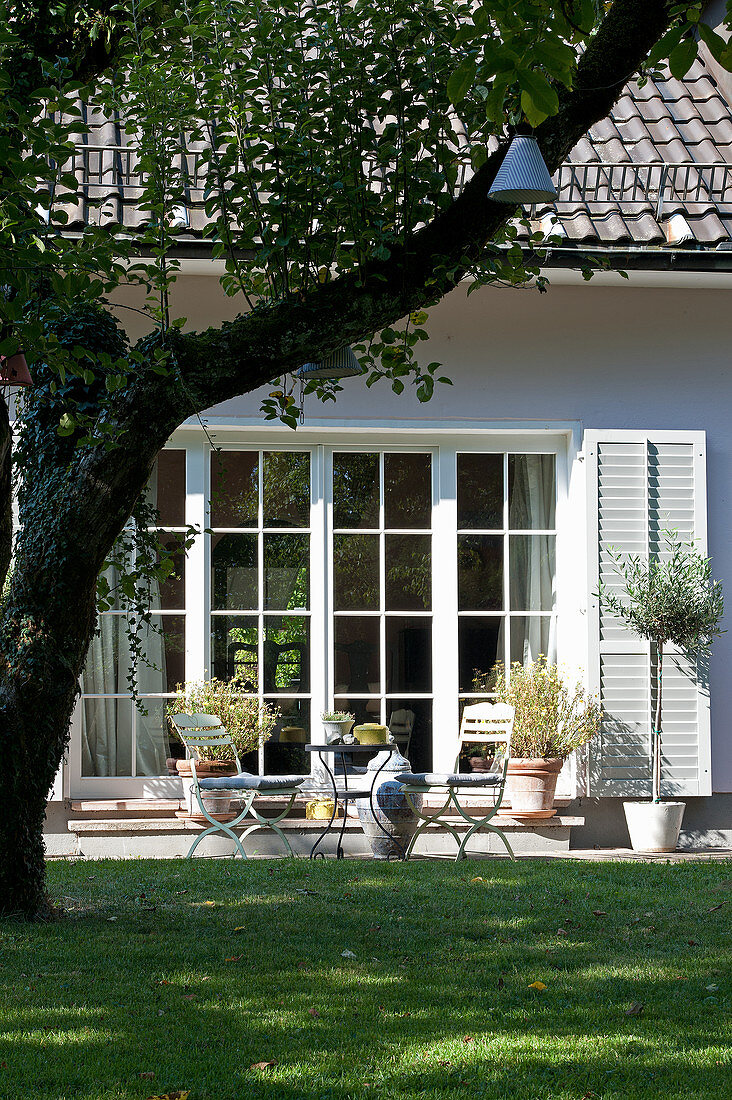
pixel 109 726
pixel 532 580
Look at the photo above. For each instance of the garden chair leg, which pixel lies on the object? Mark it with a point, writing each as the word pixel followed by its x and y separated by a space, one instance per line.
pixel 272 823
pixel 428 819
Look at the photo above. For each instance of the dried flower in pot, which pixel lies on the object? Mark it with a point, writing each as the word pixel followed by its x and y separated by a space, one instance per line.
pixel 553 717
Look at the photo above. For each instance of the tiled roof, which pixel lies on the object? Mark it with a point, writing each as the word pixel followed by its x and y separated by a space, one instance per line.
pixel 666 122
pixel 603 199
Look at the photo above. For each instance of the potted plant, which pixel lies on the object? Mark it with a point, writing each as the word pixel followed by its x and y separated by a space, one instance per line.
pixel 479 757
pixel 248 721
pixel 670 599
pixel 552 719
pixel 336 723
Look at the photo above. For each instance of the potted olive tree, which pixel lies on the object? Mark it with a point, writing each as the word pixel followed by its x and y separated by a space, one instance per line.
pixel 553 717
pixel 670 599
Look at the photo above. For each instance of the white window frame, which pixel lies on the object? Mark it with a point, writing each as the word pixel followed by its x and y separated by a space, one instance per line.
pixel 444 441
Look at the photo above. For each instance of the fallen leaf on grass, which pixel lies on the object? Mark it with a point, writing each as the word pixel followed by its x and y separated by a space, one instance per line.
pixel 599 913
pixel 189 996
pixel 347 954
pixel 468 1039
pixel 241 928
pixel 233 958
pixel 635 1008
pixel 712 988
pixel 313 1012
pixel 562 932
pixel 477 878
pixel 262 1065
pixel 501 983
pixel 692 943
pixel 538 986
pixel 177 1095
pixel 149 1074
pixel 714 907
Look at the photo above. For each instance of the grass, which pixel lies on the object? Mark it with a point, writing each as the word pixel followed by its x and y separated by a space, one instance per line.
pixel 167 975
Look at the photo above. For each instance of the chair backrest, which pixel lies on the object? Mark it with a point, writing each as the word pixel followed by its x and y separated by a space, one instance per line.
pixel 198 731
pixel 487 723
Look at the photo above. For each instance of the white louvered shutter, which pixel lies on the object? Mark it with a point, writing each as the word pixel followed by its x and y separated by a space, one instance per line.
pixel 641 485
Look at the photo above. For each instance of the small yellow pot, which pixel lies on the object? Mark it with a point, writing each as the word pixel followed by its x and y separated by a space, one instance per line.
pixel 370 734
pixel 321 810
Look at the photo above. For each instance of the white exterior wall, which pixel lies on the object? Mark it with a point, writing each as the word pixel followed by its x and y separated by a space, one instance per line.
pixel 607 354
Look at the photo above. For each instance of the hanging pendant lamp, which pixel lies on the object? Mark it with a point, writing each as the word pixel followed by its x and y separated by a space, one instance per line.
pixel 523 177
pixel 341 364
pixel 14 371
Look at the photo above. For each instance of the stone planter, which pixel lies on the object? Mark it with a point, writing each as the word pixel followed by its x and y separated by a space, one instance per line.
pixel 215 803
pixel 392 809
pixel 530 786
pixel 334 731
pixel 654 826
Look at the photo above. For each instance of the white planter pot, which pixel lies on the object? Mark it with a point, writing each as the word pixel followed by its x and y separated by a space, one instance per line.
pixel 654 826
pixel 335 730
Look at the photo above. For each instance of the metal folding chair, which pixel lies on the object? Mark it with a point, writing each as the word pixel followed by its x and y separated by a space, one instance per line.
pixel 483 723
pixel 197 731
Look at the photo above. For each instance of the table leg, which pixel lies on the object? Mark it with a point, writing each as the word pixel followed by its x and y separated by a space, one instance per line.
pixel 314 853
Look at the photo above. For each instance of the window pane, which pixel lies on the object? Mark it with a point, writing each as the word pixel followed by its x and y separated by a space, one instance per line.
pixel 284 753
pixel 410 721
pixel 480 645
pixel 364 710
pixel 151 736
pixel 357 656
pixel 408 572
pixel 169 483
pixel 286 489
pixel 234 569
pixel 532 570
pixel 171 594
pixel 108 659
pixel 356 490
pixel 532 635
pixel 408 654
pixel 286 654
pixel 532 491
pixel 106 737
pixel 164 653
pixel 407 490
pixel 234 649
pixel 356 572
pixel 480 572
pixel 480 491
pixel 234 488
pixel 286 572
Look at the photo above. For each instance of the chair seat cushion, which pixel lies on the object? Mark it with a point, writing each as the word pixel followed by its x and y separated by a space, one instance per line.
pixel 248 782
pixel 449 779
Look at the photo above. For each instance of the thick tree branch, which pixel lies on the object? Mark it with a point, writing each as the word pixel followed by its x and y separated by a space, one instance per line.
pixel 238 357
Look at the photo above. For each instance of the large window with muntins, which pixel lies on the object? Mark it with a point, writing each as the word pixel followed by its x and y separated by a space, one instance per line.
pixel 260 589
pixel 119 738
pixel 506 557
pixel 382 592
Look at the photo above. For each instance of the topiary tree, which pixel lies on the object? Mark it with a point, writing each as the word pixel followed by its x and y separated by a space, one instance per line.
pixel 668 599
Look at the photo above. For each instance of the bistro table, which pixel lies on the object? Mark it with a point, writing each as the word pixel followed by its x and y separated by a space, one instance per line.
pixel 345 794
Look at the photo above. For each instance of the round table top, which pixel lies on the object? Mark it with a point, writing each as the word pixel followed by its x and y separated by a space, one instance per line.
pixel 385 746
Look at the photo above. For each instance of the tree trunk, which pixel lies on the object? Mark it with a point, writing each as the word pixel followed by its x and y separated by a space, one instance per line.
pixel 657 727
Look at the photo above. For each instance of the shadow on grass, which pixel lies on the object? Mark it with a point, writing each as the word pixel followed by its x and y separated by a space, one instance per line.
pixel 146 977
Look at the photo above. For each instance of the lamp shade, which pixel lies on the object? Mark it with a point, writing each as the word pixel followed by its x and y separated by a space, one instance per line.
pixel 341 364
pixel 14 370
pixel 523 177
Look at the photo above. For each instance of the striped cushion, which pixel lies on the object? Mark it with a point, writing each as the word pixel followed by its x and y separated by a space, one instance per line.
pixel 449 779
pixel 246 782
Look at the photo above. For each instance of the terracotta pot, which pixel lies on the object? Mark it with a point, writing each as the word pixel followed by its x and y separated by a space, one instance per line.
pixel 481 763
pixel 206 768
pixel 530 786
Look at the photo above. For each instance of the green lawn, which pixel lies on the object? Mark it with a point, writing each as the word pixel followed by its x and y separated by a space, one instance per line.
pixel 167 975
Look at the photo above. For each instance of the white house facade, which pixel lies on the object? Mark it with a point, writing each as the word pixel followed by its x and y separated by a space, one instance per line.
pixel 377 557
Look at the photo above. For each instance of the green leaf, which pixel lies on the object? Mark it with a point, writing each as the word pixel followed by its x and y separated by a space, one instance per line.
pixel 682 58
pixel 460 81
pixel 714 42
pixel 538 98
